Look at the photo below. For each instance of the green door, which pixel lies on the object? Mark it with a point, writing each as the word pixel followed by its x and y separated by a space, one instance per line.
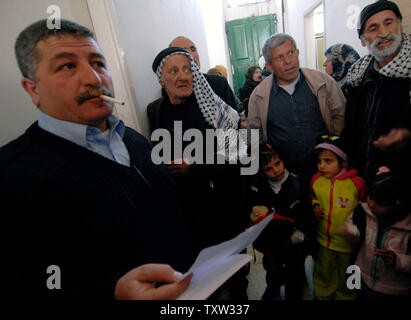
pixel 246 38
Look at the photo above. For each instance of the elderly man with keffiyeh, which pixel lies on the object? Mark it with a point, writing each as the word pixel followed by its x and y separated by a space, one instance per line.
pixel 209 194
pixel 378 110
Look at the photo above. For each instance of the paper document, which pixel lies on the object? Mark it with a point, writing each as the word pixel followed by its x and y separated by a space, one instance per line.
pixel 216 264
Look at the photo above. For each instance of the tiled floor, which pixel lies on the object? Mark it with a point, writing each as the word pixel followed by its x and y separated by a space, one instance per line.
pixel 256 277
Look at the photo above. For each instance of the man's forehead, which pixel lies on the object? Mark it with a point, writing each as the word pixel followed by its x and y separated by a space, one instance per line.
pixel 379 17
pixel 184 42
pixel 176 59
pixel 67 42
pixel 284 46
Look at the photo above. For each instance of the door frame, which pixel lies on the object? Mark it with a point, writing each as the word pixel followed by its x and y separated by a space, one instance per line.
pixel 102 13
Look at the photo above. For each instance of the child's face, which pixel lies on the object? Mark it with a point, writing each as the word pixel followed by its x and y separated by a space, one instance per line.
pixel 379 210
pixel 327 164
pixel 274 170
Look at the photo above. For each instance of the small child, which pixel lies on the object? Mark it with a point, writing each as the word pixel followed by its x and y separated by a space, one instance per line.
pixel 275 189
pixel 385 253
pixel 335 192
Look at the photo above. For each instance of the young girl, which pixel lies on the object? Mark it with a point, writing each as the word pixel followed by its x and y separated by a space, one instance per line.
pixel 275 189
pixel 335 192
pixel 384 256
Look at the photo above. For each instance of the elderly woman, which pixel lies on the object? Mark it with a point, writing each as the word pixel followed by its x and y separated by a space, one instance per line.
pixel 339 58
pixel 209 194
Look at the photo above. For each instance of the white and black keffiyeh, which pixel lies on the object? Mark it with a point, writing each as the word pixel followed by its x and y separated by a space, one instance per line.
pixel 216 113
pixel 400 67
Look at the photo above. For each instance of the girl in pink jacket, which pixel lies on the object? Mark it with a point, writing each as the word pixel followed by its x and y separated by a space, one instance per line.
pixel 382 226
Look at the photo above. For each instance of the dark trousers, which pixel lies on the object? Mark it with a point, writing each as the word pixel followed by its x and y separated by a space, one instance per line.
pixel 284 266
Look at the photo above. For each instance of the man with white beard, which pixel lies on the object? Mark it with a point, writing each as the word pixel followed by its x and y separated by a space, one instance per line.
pixel 378 111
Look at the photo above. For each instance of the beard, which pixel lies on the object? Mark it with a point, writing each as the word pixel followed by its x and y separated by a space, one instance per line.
pixel 382 54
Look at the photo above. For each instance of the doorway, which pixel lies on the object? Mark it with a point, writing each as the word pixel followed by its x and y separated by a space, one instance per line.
pixel 246 38
pixel 315 37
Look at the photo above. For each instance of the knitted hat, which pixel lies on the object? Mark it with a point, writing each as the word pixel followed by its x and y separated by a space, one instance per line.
pixel 165 53
pixel 332 143
pixel 374 8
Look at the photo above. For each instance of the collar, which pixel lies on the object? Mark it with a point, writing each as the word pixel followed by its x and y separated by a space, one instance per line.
pixel 398 68
pixel 276 86
pixel 76 132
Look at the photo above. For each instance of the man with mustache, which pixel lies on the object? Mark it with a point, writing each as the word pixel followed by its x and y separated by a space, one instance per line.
pixel 378 111
pixel 79 191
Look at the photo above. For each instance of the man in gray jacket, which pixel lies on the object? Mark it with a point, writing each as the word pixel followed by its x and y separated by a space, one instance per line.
pixel 294 106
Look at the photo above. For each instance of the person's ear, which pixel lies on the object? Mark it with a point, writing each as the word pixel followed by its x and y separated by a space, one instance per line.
pixel 30 86
pixel 161 81
pixel 269 68
pixel 344 164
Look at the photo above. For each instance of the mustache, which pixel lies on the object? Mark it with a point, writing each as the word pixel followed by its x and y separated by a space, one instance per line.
pixel 93 93
pixel 379 40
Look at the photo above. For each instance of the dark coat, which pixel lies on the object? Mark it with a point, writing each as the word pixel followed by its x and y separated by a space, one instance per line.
pixel 210 194
pixel 221 87
pixel 286 203
pixel 245 92
pixel 374 108
pixel 92 217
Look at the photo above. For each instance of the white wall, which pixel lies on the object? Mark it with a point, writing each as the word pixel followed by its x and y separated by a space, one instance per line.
pixel 16 109
pixel 344 13
pixel 214 27
pixel 249 10
pixel 338 19
pixel 147 27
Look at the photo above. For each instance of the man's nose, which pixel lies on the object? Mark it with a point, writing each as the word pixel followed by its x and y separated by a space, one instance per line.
pixel 383 31
pixel 182 75
pixel 287 59
pixel 90 76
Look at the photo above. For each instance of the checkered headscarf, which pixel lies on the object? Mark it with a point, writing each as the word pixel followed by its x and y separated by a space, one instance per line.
pixel 216 112
pixel 400 67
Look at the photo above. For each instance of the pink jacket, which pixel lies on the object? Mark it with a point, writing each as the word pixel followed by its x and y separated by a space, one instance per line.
pixel 376 275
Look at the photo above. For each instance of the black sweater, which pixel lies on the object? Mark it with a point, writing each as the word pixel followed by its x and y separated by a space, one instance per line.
pixel 94 218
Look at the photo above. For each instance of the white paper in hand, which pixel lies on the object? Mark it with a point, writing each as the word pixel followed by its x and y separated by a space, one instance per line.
pixel 216 264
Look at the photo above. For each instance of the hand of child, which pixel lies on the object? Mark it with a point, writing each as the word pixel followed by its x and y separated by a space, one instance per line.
pixel 258 212
pixel 297 237
pixel 351 233
pixel 387 256
pixel 319 212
